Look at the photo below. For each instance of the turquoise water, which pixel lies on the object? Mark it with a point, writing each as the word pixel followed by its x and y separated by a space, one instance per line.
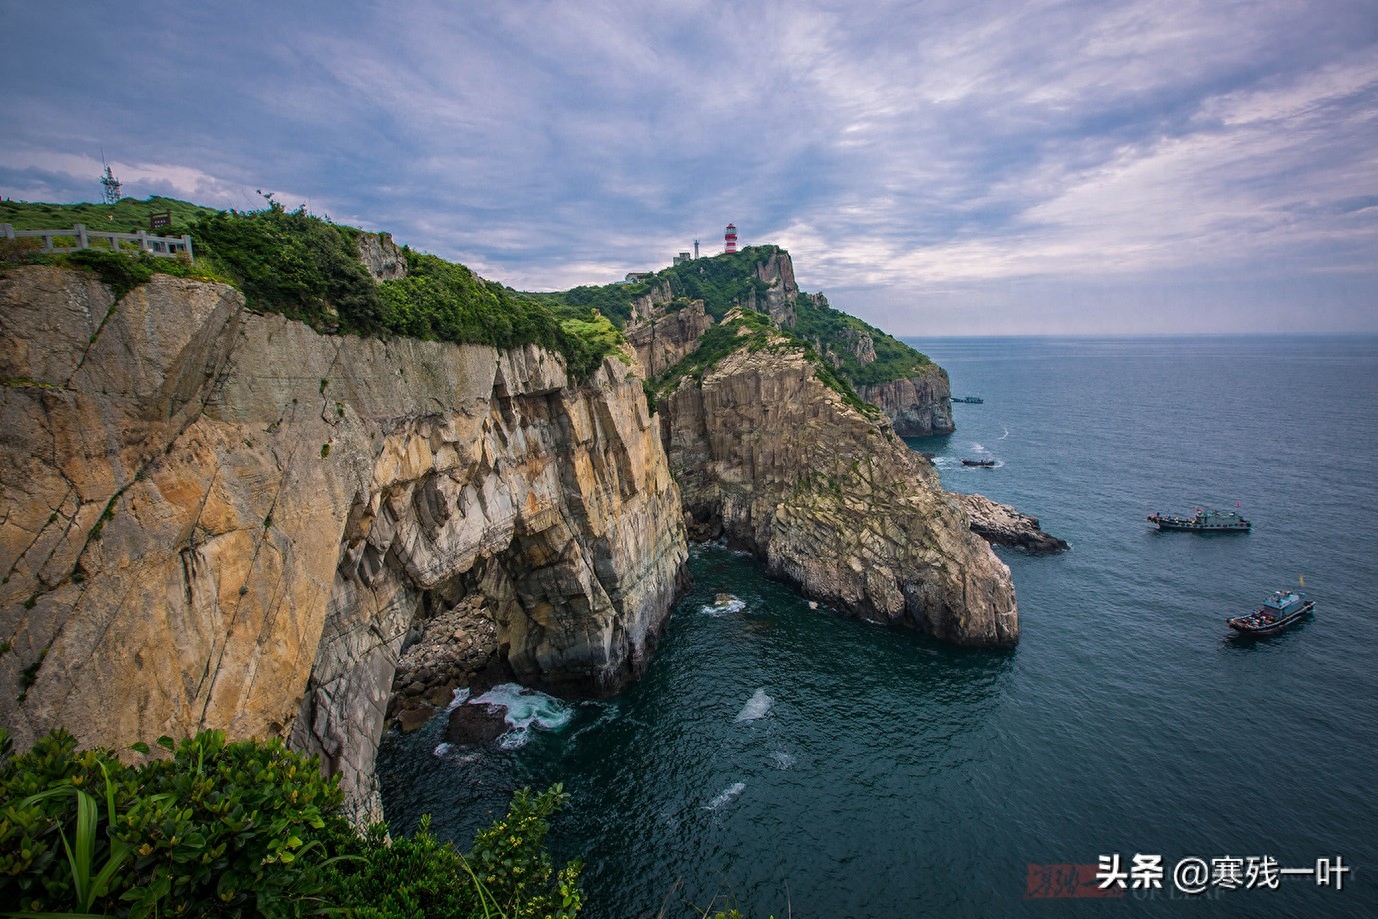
pixel 801 763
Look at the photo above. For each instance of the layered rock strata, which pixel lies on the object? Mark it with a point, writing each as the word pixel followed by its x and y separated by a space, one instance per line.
pixel 777 272
pixel 780 464
pixel 213 518
pixel 662 335
pixel 1006 526
pixel 917 406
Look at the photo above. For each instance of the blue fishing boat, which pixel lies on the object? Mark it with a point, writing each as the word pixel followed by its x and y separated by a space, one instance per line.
pixel 1283 609
pixel 1203 522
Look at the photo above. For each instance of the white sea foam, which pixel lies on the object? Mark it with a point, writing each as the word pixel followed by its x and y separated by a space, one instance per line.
pixel 526 709
pixel 723 607
pixel 441 749
pixel 1006 434
pixel 726 797
pixel 756 707
pixel 461 695
pixel 782 760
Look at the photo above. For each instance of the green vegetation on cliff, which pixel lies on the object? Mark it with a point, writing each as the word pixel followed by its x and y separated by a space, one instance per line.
pixel 128 215
pixel 748 329
pixel 308 268
pixel 751 331
pixel 721 282
pixel 728 280
pixel 247 829
pixel 819 322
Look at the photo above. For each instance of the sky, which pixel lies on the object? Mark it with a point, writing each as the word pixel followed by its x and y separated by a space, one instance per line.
pixel 936 168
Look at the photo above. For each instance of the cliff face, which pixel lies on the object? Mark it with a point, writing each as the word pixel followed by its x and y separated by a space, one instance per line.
pixel 225 519
pixel 917 406
pixel 660 336
pixel 779 463
pixel 778 272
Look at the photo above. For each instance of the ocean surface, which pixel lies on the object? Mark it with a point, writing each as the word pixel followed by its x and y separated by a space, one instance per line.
pixel 795 763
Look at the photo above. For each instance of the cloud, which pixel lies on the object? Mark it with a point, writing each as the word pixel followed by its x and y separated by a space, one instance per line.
pixel 938 155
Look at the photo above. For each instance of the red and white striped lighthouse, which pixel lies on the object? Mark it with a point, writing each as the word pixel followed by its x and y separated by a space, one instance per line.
pixel 730 238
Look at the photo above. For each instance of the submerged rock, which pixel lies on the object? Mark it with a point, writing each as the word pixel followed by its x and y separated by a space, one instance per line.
pixel 475 724
pixel 410 719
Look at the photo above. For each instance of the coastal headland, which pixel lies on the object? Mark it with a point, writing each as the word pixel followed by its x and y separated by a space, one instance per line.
pixel 219 512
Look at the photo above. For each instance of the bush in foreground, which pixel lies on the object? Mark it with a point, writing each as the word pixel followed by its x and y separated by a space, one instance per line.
pixel 246 828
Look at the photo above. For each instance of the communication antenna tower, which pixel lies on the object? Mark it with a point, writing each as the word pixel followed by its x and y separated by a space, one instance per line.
pixel 109 183
pixel 696 248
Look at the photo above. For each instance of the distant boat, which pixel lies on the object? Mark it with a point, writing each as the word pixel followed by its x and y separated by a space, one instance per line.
pixel 1203 522
pixel 974 400
pixel 971 462
pixel 1283 609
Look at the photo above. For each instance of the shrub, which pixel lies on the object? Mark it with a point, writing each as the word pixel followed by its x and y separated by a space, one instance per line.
pixel 245 828
pixel 818 322
pixel 509 873
pixel 586 342
pixel 292 263
pixel 217 829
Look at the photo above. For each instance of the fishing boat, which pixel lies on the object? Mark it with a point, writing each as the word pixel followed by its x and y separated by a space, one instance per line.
pixel 1203 522
pixel 974 400
pixel 972 462
pixel 1283 609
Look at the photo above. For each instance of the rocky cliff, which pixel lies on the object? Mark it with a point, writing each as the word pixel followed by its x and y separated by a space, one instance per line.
pixel 918 405
pixel 225 519
pixel 778 462
pixel 663 332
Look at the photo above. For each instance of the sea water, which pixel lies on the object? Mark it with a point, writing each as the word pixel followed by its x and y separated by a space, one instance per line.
pixel 794 762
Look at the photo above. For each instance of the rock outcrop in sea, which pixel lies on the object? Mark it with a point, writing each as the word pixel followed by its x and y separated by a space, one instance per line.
pixel 1006 526
pixel 217 518
pixel 772 458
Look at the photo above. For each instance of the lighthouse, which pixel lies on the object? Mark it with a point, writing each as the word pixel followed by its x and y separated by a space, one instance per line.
pixel 730 239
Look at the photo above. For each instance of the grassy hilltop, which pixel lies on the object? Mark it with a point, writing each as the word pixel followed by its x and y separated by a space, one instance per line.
pixel 308 268
pixel 723 281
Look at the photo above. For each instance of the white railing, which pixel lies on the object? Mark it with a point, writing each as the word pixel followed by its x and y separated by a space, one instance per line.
pixel 157 245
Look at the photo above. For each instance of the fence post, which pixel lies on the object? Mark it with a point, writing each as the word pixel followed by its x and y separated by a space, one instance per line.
pixel 186 241
pixel 143 240
pixel 9 230
pixel 81 235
